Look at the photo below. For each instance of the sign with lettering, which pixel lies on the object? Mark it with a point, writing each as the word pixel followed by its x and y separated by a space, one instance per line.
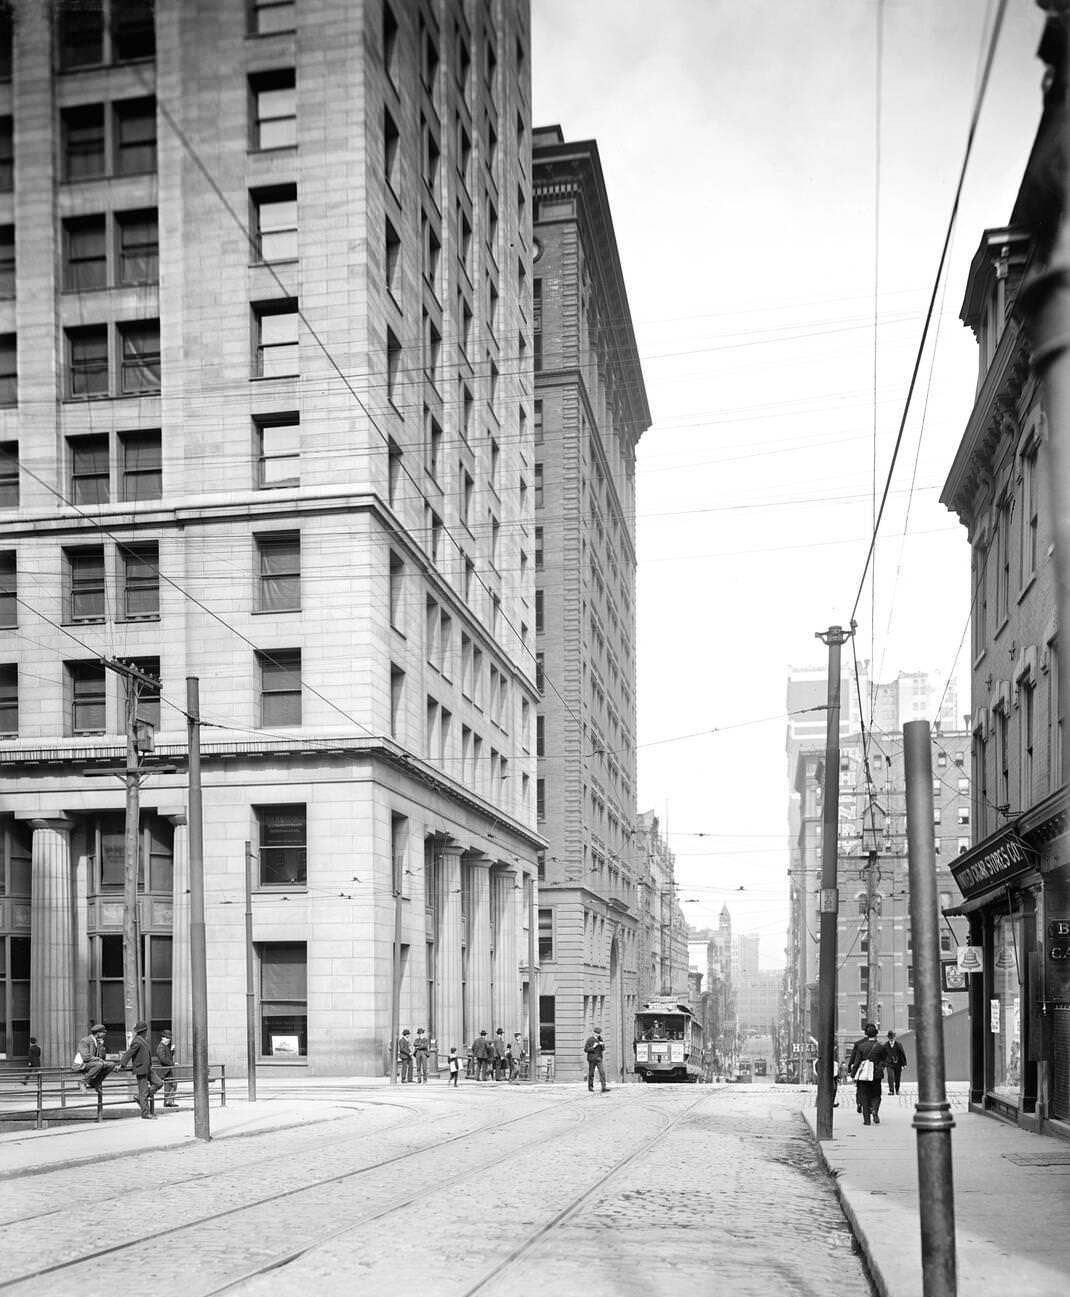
pixel 993 1016
pixel 1059 941
pixel 952 977
pixel 1002 858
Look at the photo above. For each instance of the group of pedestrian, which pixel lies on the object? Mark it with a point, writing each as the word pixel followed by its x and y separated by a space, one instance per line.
pixel 153 1070
pixel 494 1058
pixel 871 1060
pixel 412 1051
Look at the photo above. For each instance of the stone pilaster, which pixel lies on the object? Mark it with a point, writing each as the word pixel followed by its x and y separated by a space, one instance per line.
pixel 52 943
pixel 506 963
pixel 448 979
pixel 181 984
pixel 478 1007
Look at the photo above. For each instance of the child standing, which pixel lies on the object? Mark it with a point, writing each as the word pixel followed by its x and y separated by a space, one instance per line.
pixel 454 1064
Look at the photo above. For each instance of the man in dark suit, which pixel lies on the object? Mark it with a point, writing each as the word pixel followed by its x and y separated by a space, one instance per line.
pixel 90 1057
pixel 866 1068
pixel 138 1058
pixel 897 1060
pixel 595 1047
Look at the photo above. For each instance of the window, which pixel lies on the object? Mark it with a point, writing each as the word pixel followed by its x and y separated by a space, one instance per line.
pixel 280 687
pixel 277 350
pixel 135 136
pixel 9 474
pixel 393 366
pixel 132 33
pixel 85 260
pixel 279 559
pixel 5 44
pixel 278 450
pixel 397 693
pixel 392 261
pixel 1003 565
pixel 85 575
pixel 275 218
pixel 87 360
pixel 87 695
pixel 16 850
pixel 141 580
pixel 139 357
pixel 274 109
pixel 1027 728
pixel 7 261
pixel 15 995
pixel 89 470
pixel 142 465
pixel 283 999
pixel 547 1024
pixel 9 376
pixel 80 35
pixel 390 40
pixel 138 241
pixel 9 603
pixel 9 699
pixel 283 845
pixel 397 574
pixel 546 934
pixel 7 155
pixel 391 150
pixel 84 149
pixel 268 16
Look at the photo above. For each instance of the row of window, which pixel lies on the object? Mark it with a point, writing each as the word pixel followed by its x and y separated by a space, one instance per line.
pixel 86 694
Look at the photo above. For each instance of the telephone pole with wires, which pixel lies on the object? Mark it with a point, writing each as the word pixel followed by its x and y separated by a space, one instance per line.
pixel 829 906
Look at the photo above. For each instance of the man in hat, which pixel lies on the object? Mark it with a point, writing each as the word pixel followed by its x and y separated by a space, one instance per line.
pixel 421 1048
pixel 897 1060
pixel 90 1057
pixel 405 1057
pixel 498 1055
pixel 595 1047
pixel 165 1056
pixel 138 1058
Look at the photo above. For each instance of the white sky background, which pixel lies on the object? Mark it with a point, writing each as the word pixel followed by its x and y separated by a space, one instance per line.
pixel 738 142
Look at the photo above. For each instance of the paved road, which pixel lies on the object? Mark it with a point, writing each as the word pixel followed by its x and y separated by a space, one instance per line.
pixel 644 1190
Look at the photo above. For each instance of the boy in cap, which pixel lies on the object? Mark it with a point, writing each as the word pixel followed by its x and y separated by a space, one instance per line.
pixel 138 1058
pixel 90 1057
pixel 165 1056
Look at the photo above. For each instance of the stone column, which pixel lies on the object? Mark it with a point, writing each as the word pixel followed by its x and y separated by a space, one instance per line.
pixel 181 985
pixel 478 1008
pixel 52 943
pixel 448 979
pixel 506 961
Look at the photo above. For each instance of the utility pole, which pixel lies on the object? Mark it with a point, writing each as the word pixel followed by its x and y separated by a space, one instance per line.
pixel 133 772
pixel 396 865
pixel 932 1115
pixel 834 637
pixel 250 974
pixel 872 938
pixel 197 945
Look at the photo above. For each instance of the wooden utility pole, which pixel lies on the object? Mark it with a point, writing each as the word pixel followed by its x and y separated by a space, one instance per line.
pixel 829 907
pixel 197 946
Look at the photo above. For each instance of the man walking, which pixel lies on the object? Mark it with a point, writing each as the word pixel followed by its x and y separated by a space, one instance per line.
pixel 420 1048
pixel 165 1056
pixel 498 1046
pixel 90 1058
pixel 897 1060
pixel 33 1059
pixel 866 1067
pixel 482 1050
pixel 595 1047
pixel 405 1057
pixel 138 1058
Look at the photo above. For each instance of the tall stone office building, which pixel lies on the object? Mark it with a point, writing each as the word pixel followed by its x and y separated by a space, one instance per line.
pixel 265 341
pixel 590 411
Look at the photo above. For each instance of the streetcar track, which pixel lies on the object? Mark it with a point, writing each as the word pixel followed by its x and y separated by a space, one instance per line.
pixel 89 1257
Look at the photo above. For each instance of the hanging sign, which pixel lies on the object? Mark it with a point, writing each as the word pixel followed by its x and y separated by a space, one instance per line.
pixel 1059 941
pixel 999 858
pixel 968 959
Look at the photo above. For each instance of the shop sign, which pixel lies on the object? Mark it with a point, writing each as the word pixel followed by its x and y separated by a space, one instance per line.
pixel 1059 941
pixel 1001 860
pixel 968 959
pixel 952 978
pixel 993 1015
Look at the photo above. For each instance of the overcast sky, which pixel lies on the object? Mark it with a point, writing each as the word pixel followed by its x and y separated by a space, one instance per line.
pixel 740 147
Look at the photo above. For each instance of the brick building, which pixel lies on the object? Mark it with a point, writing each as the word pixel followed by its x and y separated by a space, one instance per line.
pixel 590 412
pixel 267 421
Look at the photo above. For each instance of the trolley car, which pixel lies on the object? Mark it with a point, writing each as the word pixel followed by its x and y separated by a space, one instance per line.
pixel 668 1042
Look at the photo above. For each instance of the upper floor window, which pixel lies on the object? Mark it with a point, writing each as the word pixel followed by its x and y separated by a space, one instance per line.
pixel 280 687
pixel 86 585
pixel 1030 514
pixel 7 261
pixel 278 450
pixel 85 253
pixel 140 356
pixel 9 699
pixel 276 339
pixel 273 105
pixel 138 247
pixel 133 247
pixel 142 465
pixel 138 366
pixel 116 31
pixel 283 835
pixel 279 562
pixel 91 151
pixel 9 590
pixel 268 16
pixel 7 155
pixel 275 222
pixel 86 698
pixel 141 580
pixel 5 40
pixel 9 474
pixel 9 373
pixel 89 482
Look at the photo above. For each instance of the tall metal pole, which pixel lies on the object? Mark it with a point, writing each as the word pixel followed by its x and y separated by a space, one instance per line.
pixel 830 904
pixel 932 1114
pixel 395 983
pixel 197 945
pixel 131 978
pixel 533 984
pixel 250 982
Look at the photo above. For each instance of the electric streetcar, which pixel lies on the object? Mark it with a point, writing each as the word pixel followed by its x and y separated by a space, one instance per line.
pixel 668 1042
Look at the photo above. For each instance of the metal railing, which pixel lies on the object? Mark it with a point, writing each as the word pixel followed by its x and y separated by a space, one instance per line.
pixel 57 1094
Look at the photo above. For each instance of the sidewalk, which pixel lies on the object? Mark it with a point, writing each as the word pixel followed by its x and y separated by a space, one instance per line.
pixel 1012 1199
pixel 280 1104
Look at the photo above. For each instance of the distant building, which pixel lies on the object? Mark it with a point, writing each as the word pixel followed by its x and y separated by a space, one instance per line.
pixel 1015 880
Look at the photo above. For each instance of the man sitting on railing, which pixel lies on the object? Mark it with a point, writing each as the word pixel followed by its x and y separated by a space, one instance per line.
pixel 90 1058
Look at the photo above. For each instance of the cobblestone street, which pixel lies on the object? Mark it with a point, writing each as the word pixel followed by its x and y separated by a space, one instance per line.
pixel 635 1191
